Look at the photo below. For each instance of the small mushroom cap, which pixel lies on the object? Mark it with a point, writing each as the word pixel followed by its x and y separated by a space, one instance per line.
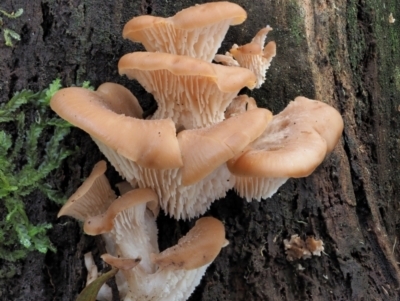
pixel 104 222
pixel 294 143
pixel 203 150
pixel 120 99
pixel 315 246
pixel 228 79
pixel 200 246
pixel 255 56
pixel 295 248
pixel 226 60
pixel 142 141
pixel 240 104
pixel 255 47
pixel 92 197
pixel 121 263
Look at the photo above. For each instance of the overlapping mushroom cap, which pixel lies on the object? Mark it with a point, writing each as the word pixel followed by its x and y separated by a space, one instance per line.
pixel 196 31
pixel 178 269
pixel 93 197
pixel 188 191
pixel 148 274
pixel 111 116
pixel 294 143
pixel 192 92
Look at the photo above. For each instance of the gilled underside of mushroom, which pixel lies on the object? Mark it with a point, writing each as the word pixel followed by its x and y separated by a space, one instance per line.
pixel 195 104
pixel 196 31
pixel 192 92
pixel 200 43
pixel 188 191
pixel 148 274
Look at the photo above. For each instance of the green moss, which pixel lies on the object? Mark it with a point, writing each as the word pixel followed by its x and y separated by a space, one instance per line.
pixel 397 78
pixel 27 157
pixel 9 34
pixel 296 22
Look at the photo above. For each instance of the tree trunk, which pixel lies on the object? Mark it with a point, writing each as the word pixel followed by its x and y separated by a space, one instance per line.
pixel 345 53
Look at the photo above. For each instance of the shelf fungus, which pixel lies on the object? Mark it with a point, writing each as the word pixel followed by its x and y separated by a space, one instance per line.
pixel 294 143
pixel 192 92
pixel 253 56
pixel 196 31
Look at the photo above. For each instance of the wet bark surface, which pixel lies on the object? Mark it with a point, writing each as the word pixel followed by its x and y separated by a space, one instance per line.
pixel 345 53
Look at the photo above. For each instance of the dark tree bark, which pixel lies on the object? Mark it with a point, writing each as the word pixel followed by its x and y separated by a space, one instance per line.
pixel 345 53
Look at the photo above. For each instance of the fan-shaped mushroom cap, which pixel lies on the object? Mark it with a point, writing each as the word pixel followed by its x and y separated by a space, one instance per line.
pixel 192 92
pixel 104 222
pixel 92 198
pixel 294 143
pixel 204 150
pixel 199 247
pixel 196 31
pixel 109 116
pixel 255 56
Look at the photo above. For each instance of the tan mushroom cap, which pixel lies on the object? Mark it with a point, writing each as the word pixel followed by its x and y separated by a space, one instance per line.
pixel 121 263
pixel 120 100
pixel 203 150
pixel 294 143
pixel 240 104
pixel 200 246
pixel 141 141
pixel 255 56
pixel 227 79
pixel 104 222
pixel 192 92
pixel 196 31
pixel 256 46
pixel 92 198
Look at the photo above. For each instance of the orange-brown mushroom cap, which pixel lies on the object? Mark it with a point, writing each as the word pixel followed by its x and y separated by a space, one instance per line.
pixel 100 115
pixel 203 150
pixel 92 198
pixel 104 222
pixel 294 143
pixel 192 92
pixel 200 246
pixel 196 31
pixel 255 56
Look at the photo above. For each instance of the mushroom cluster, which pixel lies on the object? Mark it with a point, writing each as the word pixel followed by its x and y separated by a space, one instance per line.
pixel 202 140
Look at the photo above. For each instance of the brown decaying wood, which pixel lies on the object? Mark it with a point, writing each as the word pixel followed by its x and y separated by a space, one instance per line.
pixel 351 202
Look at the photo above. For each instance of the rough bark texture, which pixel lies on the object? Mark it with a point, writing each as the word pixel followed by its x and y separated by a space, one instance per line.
pixel 345 53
